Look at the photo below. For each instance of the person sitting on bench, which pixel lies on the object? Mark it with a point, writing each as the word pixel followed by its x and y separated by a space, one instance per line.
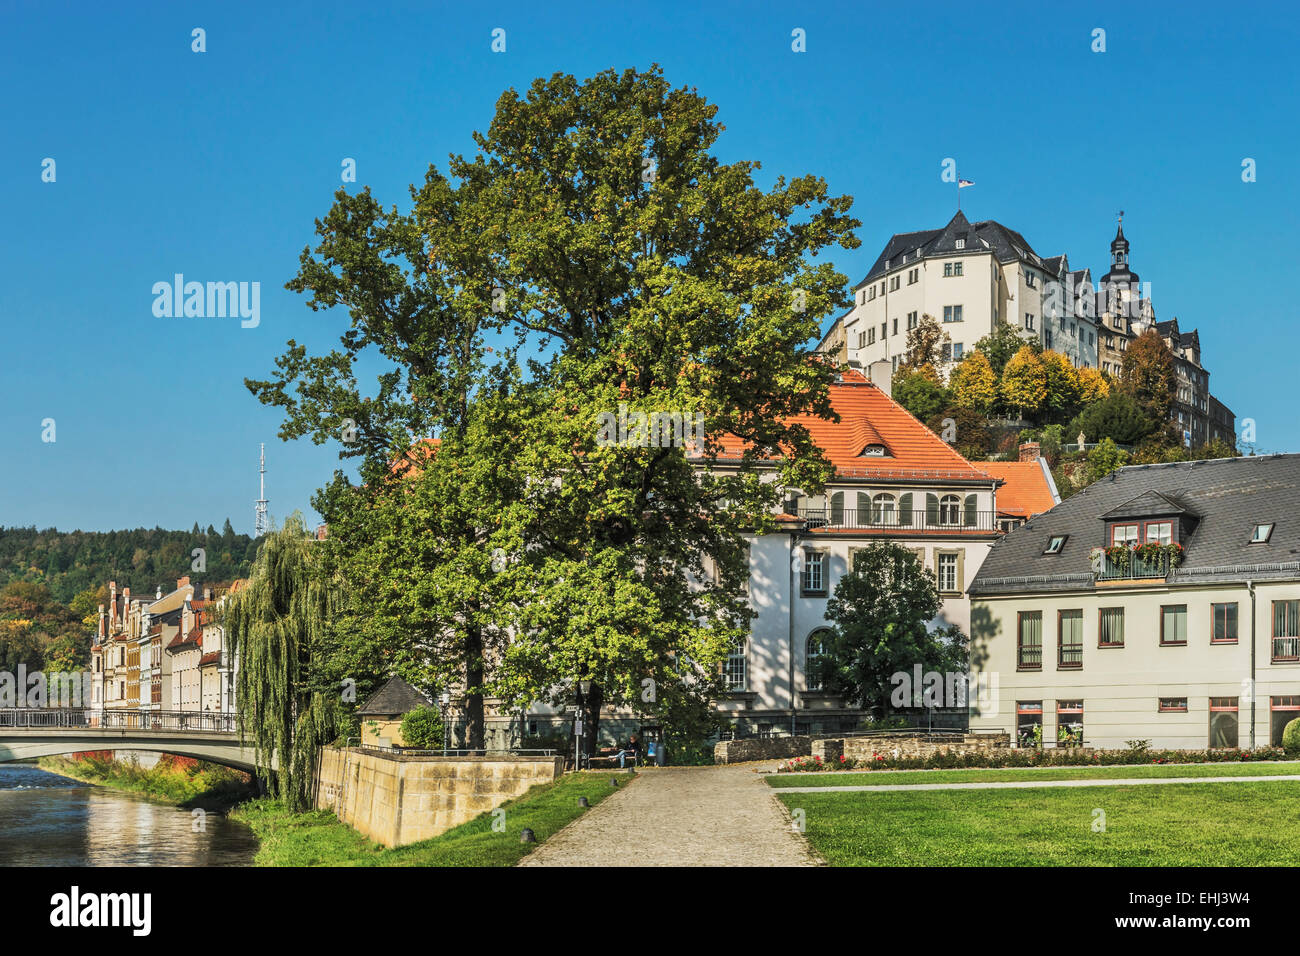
pixel 630 749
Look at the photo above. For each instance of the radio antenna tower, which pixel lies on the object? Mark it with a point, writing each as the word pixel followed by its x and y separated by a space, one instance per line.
pixel 260 524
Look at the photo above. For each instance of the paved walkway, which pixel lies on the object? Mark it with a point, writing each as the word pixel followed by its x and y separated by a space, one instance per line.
pixel 1023 784
pixel 681 816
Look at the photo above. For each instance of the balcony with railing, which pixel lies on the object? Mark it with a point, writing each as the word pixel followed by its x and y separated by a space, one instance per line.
pixel 1132 566
pixel 1286 649
pixel 950 520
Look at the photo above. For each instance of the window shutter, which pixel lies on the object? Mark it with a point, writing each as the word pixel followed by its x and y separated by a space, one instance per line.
pixel 905 510
pixel 971 501
pixel 961 570
pixel 931 510
pixel 864 508
pixel 837 508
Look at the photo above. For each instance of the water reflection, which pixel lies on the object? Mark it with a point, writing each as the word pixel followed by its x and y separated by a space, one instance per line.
pixel 48 820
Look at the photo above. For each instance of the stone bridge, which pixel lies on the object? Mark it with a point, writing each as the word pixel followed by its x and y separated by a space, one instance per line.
pixel 29 733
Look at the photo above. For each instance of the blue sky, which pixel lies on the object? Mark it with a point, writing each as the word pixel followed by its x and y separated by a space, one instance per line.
pixel 215 165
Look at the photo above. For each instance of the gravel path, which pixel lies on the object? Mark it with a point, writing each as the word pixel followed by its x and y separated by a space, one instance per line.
pixel 1022 784
pixel 681 816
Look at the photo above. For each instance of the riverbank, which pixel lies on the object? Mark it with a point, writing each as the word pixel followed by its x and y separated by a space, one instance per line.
pixel 318 838
pixel 185 783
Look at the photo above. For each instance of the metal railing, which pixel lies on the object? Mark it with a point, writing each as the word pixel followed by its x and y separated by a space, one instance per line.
pixel 946 518
pixel 462 752
pixel 147 720
pixel 1286 649
pixel 1134 568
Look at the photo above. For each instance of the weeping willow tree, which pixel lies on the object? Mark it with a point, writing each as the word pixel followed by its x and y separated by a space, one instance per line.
pixel 275 625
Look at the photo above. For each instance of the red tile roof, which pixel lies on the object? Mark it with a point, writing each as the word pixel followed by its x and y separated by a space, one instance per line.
pixel 1026 492
pixel 212 657
pixel 870 417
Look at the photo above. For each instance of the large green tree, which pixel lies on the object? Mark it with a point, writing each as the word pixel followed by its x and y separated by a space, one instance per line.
pixel 882 614
pixel 593 255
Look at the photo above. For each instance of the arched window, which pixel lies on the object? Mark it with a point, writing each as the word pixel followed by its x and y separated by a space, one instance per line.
pixel 950 509
pixel 883 509
pixel 813 652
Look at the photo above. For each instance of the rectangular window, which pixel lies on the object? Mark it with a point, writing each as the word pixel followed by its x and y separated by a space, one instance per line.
pixel 893 284
pixel 956 268
pixel 1261 533
pixel 1223 722
pixel 1173 705
pixel 911 321
pixel 1173 624
pixel 948 582
pixel 871 294
pixel 1055 543
pixel 957 351
pixel 1223 623
pixel 913 276
pixel 862 340
pixel 1282 710
pixel 1124 534
pixel 1110 629
pixel 1069 723
pixel 952 313
pixel 1029 321
pixel 1029 640
pixel 947 270
pixel 1029 723
pixel 884 327
pixel 1160 532
pixel 895 326
pixel 1069 645
pixel 814 573
pixel 1286 631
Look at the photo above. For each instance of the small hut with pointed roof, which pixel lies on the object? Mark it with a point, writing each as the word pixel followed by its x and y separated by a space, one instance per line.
pixel 381 715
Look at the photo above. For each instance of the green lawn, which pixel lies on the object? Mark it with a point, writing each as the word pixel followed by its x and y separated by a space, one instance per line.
pixel 318 838
pixel 1179 824
pixel 913 777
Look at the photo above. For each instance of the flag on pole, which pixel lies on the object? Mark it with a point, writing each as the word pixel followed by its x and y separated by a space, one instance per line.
pixel 963 183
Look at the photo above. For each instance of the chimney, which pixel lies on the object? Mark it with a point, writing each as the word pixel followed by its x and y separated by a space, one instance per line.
pixel 1029 451
pixel 112 604
pixel 207 594
pixel 321 532
pixel 182 582
pixel 103 625
pixel 881 374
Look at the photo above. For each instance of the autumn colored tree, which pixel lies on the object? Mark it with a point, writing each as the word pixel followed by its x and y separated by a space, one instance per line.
pixel 925 347
pixel 1148 374
pixel 1000 345
pixel 1104 459
pixel 974 384
pixel 1092 385
pixel 1024 382
pixel 1063 389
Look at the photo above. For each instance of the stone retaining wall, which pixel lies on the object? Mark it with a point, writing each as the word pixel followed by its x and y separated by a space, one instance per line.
pixel 863 748
pixel 395 799
pixel 761 748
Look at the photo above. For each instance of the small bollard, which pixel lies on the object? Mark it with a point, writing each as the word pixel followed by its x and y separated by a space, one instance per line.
pixel 526 836
pixel 613 781
pixel 583 802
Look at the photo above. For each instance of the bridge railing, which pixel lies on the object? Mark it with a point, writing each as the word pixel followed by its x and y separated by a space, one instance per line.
pixel 145 720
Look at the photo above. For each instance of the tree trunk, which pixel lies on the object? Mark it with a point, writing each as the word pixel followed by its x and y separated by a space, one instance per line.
pixel 474 723
pixel 591 719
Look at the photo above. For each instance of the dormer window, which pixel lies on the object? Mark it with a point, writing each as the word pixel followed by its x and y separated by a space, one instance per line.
pixel 1159 532
pixel 961 243
pixel 874 451
pixel 1055 544
pixel 1261 534
pixel 1125 535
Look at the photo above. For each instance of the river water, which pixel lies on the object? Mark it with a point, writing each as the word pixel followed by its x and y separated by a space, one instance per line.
pixel 48 820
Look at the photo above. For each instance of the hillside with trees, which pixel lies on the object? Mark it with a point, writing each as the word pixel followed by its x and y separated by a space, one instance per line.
pixel 1007 390
pixel 142 559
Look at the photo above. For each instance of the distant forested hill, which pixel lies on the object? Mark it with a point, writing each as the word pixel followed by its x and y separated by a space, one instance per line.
pixel 69 562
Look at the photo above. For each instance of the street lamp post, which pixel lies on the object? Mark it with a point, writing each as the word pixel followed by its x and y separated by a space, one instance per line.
pixel 584 686
pixel 444 701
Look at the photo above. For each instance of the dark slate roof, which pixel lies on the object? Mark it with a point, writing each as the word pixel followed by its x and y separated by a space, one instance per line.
pixel 1055 265
pixel 1153 503
pixel 907 247
pixel 1231 496
pixel 394 698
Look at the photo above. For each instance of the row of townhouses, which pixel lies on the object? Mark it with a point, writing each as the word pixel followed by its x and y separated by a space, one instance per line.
pixel 973 277
pixel 162 653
